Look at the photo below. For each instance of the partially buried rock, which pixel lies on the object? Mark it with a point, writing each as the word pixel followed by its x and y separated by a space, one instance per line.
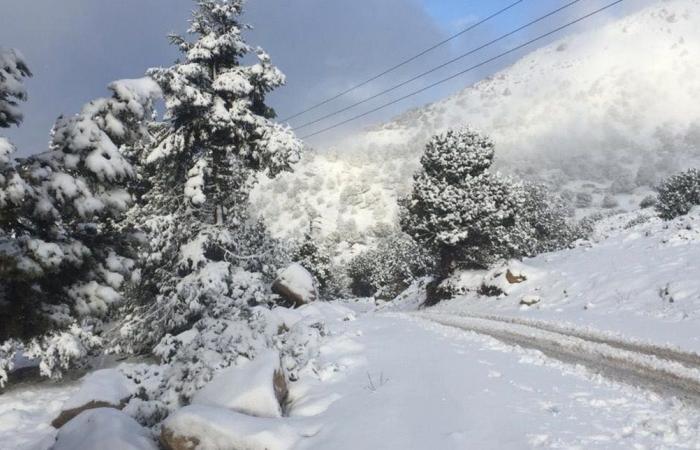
pixel 513 278
pixel 296 285
pixel 103 429
pixel 107 388
pixel 257 388
pixel 530 300
pixel 204 427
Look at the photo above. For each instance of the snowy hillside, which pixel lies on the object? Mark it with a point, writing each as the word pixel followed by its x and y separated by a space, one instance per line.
pixel 607 111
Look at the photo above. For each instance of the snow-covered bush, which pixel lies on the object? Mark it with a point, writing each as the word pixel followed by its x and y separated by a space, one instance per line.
pixel 609 201
pixel 467 215
pixel 583 200
pixel 548 219
pixel 648 201
pixel 387 270
pixel 678 194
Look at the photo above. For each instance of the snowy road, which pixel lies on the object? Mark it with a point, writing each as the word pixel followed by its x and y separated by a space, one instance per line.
pixel 448 386
pixel 664 370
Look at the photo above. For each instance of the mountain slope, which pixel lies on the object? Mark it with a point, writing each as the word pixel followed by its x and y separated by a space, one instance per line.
pixel 607 111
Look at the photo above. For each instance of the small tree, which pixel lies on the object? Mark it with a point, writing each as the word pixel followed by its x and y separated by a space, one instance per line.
pixel 460 210
pixel 678 194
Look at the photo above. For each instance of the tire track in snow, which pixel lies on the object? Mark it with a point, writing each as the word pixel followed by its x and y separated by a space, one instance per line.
pixel 660 369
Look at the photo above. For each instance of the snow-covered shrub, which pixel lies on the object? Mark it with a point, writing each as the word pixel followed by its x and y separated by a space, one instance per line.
pixel 648 202
pixel 549 220
pixel 678 194
pixel 583 200
pixel 609 201
pixel 624 184
pixel 467 215
pixel 387 270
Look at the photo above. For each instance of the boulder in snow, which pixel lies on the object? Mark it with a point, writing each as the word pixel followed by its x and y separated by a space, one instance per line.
pixel 107 388
pixel 530 300
pixel 204 427
pixel 296 285
pixel 104 429
pixel 513 278
pixel 257 388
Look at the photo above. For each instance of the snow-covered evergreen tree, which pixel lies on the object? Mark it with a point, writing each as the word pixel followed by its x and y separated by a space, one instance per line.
pixel 466 214
pixel 219 135
pixel 13 70
pixel 62 258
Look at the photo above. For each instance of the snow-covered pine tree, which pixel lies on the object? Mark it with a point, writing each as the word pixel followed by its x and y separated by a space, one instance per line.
pixel 465 214
pixel 200 241
pixel 62 259
pixel 13 70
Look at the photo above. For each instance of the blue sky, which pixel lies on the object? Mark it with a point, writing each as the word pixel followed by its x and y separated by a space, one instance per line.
pixel 76 47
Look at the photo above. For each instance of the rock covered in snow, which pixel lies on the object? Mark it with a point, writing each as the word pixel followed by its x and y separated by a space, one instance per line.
pixel 104 429
pixel 296 285
pixel 258 388
pixel 530 300
pixel 213 428
pixel 107 388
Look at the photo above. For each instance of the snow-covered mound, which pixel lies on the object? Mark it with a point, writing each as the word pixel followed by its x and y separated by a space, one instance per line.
pixel 600 116
pixel 249 388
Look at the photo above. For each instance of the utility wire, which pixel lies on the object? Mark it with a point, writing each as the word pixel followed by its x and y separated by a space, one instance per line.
pixel 469 69
pixel 403 63
pixel 434 69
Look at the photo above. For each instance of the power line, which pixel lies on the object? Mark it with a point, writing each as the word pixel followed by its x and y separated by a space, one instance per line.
pixel 469 69
pixel 403 63
pixel 434 69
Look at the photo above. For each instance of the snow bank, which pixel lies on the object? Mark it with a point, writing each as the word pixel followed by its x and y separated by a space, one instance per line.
pixel 103 388
pixel 213 428
pixel 104 429
pixel 257 388
pixel 107 385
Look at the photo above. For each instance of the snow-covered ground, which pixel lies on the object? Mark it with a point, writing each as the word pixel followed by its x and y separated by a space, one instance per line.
pixel 640 281
pixel 387 376
pixel 26 413
pixel 392 381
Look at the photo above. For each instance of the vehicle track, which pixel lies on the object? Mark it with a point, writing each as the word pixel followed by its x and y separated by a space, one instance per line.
pixel 664 370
